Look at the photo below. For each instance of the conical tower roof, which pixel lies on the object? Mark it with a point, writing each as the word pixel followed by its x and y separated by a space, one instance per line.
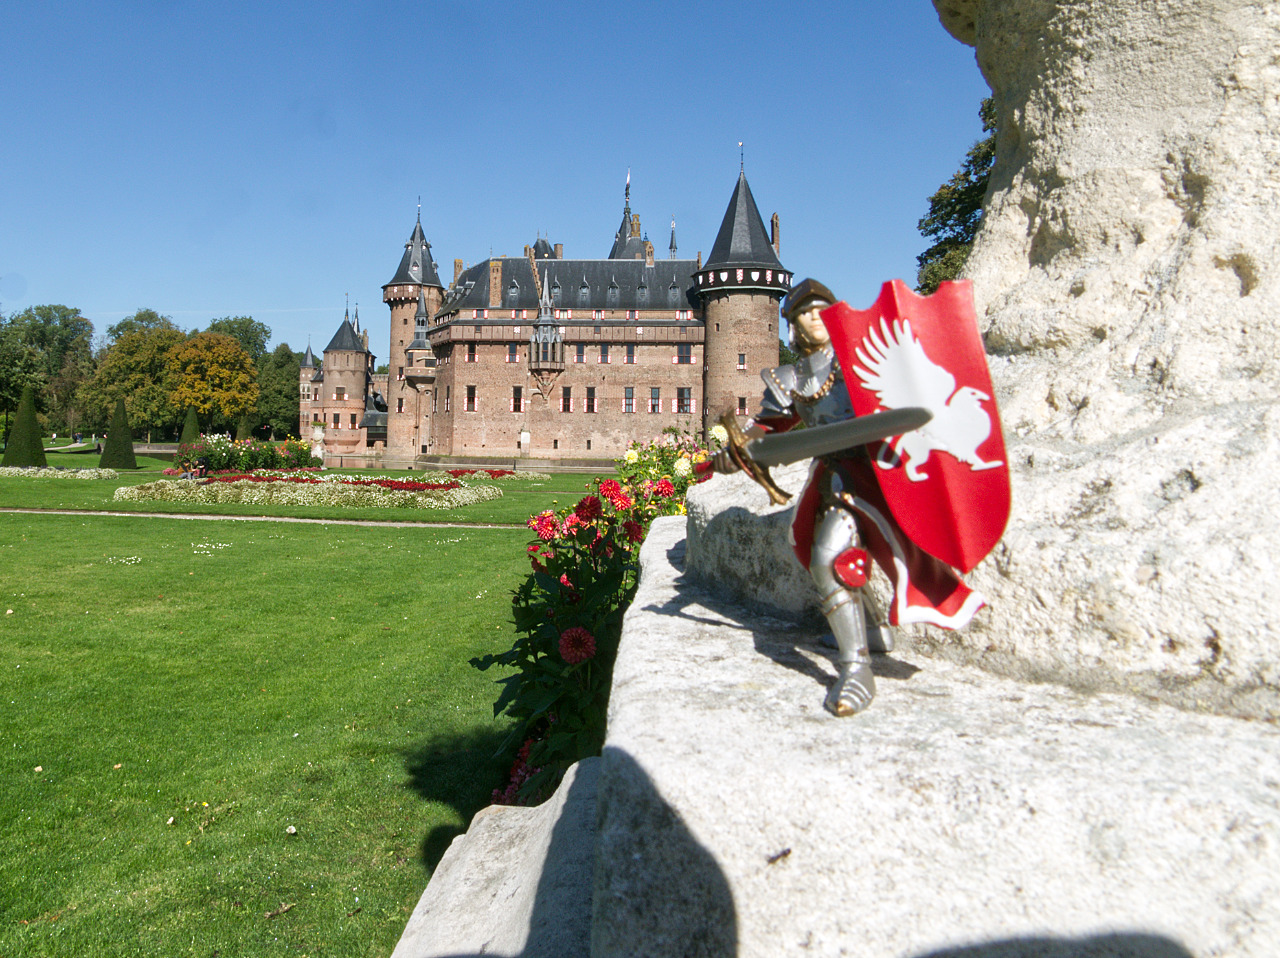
pixel 346 338
pixel 309 359
pixel 416 266
pixel 742 240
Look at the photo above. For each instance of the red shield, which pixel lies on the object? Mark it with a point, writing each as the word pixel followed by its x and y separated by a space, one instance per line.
pixel 946 483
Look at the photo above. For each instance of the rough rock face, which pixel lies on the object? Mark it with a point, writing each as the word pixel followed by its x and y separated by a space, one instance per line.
pixel 1127 283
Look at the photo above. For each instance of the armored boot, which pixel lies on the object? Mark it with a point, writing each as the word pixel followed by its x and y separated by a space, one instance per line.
pixel 855 686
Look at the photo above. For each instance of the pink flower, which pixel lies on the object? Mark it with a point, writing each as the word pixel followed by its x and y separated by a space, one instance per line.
pixel 621 502
pixel 545 525
pixel 664 489
pixel 577 645
pixel 589 508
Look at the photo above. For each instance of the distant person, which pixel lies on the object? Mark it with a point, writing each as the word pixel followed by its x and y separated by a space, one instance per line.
pixel 187 471
pixel 202 467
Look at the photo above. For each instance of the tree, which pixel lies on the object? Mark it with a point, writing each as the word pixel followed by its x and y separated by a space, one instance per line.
pixel 117 451
pixel 211 372
pixel 20 366
pixel 244 428
pixel 955 210
pixel 252 335
pixel 278 391
pixel 143 321
pixel 190 427
pixel 135 370
pixel 25 446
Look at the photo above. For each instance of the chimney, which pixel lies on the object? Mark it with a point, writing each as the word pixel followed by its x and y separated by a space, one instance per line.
pixel 559 250
pixel 527 250
pixel 775 233
pixel 699 266
pixel 457 270
pixel 648 253
pixel 495 282
pixel 635 225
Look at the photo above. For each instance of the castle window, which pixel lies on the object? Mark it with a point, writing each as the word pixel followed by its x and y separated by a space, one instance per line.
pixel 591 399
pixel 597 314
pixel 471 399
pixel 633 314
pixel 682 314
pixel 629 399
pixel 580 353
pixel 513 352
pixel 339 393
pixel 399 405
pixel 435 402
pixel 566 399
pixel 471 352
pixel 631 354
pixel 742 405
pixel 337 421
pixel 604 352
pixel 400 374
pixel 517 399
pixel 353 420
pixel 684 400
pixel 684 354
pixel 447 399
pixel 655 399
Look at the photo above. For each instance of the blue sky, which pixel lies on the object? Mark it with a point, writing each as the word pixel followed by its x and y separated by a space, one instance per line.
pixel 266 159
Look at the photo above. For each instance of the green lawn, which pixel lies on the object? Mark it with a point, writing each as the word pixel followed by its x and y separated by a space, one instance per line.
pixel 177 695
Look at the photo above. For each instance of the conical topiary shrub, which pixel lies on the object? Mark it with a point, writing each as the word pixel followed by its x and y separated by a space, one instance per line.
pixel 190 427
pixel 25 446
pixel 117 452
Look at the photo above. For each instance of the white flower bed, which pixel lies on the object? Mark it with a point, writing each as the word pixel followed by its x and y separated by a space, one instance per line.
pixel 36 472
pixel 304 494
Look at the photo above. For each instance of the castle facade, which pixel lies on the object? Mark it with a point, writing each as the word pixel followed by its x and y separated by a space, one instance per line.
pixel 552 358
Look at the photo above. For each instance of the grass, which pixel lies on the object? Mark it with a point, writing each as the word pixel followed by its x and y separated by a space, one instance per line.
pixel 177 695
pixel 519 500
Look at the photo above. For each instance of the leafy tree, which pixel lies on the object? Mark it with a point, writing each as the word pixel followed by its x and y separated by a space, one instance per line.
pixel 278 391
pixel 383 370
pixel 134 369
pixel 117 451
pixel 190 427
pixel 955 210
pixel 25 446
pixel 211 372
pixel 244 428
pixel 252 335
pixel 20 366
pixel 143 321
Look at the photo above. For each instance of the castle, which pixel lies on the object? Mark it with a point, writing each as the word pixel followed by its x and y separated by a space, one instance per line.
pixel 552 358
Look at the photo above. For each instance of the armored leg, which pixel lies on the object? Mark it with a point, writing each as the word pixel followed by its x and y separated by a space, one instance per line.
pixel 855 686
pixel 879 633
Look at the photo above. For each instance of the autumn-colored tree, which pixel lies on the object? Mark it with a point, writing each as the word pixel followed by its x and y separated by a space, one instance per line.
pixel 213 373
pixel 135 369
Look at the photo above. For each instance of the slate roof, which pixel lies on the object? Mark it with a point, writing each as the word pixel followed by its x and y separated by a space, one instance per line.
pixel 416 265
pixel 309 360
pixel 346 338
pixel 579 284
pixel 742 240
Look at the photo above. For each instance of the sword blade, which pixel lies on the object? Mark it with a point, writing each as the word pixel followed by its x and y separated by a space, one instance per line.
pixel 835 437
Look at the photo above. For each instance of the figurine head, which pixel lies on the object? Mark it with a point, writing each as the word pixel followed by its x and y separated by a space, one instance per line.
pixel 801 308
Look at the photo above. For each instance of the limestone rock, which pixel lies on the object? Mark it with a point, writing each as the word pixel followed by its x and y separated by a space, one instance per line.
pixel 1127 276
pixel 517 883
pixel 963 816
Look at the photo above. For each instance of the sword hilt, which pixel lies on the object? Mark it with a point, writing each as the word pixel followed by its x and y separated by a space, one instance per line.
pixel 736 447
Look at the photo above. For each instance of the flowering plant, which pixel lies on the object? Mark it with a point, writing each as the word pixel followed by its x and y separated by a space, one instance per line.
pixel 666 467
pixel 247 454
pixel 50 472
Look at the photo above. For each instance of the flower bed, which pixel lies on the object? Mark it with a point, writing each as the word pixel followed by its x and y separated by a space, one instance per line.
pixel 48 472
pixel 220 453
pixel 305 490
pixel 568 614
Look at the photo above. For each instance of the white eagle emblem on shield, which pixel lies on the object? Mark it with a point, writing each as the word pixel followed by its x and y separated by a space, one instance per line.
pixel 892 364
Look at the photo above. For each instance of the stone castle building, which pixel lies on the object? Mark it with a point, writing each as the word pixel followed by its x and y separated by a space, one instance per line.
pixel 546 357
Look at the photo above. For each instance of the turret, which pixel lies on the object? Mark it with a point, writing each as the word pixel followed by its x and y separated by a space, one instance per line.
pixel 741 284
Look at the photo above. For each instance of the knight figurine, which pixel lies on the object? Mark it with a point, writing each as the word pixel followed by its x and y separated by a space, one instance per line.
pixel 842 520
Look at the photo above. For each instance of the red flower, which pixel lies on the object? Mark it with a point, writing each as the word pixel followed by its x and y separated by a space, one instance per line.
pixel 544 524
pixel 589 508
pixel 664 489
pixel 621 502
pixel 610 488
pixel 577 645
pixel 634 531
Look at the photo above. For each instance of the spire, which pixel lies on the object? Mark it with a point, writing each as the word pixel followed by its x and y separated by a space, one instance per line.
pixel 673 236
pixel 420 320
pixel 626 242
pixel 356 319
pixel 742 240
pixel 346 338
pixel 416 266
pixel 308 359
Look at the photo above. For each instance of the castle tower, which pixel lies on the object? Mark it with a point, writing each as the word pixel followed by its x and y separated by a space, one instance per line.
pixel 413 295
pixel 307 393
pixel 741 285
pixel 344 385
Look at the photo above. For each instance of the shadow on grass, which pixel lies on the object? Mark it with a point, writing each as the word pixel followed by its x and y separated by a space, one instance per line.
pixel 460 771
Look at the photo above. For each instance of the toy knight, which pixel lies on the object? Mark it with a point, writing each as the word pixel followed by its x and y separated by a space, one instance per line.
pixel 843 507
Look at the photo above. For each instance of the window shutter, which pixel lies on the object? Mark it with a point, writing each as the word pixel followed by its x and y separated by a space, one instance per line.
pixel 674 360
pixel 693 406
pixel 673 405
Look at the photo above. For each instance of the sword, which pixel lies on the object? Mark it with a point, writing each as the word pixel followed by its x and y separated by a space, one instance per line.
pixel 755 456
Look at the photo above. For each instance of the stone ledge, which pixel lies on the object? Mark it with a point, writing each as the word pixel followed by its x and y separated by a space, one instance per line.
pixel 963 815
